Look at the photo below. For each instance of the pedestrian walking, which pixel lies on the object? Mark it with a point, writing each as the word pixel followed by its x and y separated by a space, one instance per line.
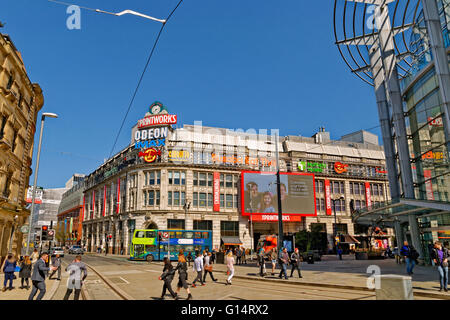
pixel 9 267
pixel 230 267
pixel 208 268
pixel 182 276
pixel 410 254
pixel 238 256
pixel 244 256
pixel 40 270
pixel 273 257
pixel 295 262
pixel 56 267
pixel 284 261
pixel 34 256
pixel 167 277
pixel 198 267
pixel 77 274
pixel 213 256
pixel 440 258
pixel 262 262
pixel 339 252
pixel 189 258
pixel 25 272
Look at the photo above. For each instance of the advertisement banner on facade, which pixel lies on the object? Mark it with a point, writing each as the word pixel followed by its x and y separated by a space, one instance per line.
pixel 38 195
pixel 216 192
pixel 327 197
pixel 104 200
pixel 428 184
pixel 368 196
pixel 259 193
pixel 71 225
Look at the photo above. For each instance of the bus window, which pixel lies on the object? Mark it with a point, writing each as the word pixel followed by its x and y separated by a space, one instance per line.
pixel 197 235
pixel 198 248
pixel 188 235
pixel 205 235
pixel 188 248
pixel 179 234
pixel 172 234
pixel 150 234
pixel 140 234
pixel 138 249
pixel 177 247
pixel 150 248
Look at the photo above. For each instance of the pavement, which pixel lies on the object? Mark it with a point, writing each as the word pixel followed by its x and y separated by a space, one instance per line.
pixel 334 273
pixel 328 274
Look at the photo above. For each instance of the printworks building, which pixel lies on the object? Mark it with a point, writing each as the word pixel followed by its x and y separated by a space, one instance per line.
pixel 190 178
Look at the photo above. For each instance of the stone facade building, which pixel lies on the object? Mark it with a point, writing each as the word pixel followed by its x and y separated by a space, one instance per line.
pixel 20 102
pixel 177 190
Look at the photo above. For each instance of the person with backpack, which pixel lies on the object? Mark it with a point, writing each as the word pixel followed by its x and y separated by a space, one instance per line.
pixel 25 272
pixel 9 267
pixel 440 258
pixel 167 277
pixel 410 254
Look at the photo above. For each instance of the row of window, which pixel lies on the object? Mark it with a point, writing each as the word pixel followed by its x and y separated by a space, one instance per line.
pixel 338 205
pixel 203 200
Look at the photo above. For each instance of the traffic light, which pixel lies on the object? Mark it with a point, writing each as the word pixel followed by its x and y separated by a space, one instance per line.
pixel 44 233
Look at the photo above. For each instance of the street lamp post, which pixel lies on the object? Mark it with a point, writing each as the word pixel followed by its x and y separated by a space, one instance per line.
pixel 335 222
pixel 50 115
pixel 280 210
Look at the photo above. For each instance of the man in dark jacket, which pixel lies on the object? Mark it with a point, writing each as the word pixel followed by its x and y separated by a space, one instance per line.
pixel 262 262
pixel 407 252
pixel 440 257
pixel 56 266
pixel 40 270
pixel 167 277
pixel 284 261
pixel 238 255
pixel 295 261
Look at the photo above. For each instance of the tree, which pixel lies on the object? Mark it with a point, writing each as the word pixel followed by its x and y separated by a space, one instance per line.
pixel 310 240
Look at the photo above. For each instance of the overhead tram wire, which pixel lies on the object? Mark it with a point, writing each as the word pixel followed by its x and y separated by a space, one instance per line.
pixel 142 75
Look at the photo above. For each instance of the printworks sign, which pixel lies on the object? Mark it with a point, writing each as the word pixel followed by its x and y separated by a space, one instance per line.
pixel 152 132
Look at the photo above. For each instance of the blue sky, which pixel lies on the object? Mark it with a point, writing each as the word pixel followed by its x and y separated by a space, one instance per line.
pixel 232 64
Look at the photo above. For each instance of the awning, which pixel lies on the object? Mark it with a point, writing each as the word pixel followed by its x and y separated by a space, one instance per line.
pixel 231 241
pixel 350 239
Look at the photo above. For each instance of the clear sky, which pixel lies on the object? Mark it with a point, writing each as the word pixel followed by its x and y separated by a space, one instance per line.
pixel 232 64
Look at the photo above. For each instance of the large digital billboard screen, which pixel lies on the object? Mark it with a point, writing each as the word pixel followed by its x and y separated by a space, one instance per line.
pixel 259 193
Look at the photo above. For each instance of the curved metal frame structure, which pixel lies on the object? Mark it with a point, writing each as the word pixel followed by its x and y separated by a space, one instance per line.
pixel 349 43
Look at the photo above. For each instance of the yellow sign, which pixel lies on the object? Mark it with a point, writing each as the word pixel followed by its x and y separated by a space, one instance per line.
pixel 179 155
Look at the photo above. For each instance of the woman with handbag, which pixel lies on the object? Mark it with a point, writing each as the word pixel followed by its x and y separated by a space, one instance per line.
pixel 208 267
pixel 9 267
pixel 182 276
pixel 230 267
pixel 25 272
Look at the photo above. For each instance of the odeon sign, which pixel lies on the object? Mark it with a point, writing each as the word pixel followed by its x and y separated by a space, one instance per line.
pixel 151 140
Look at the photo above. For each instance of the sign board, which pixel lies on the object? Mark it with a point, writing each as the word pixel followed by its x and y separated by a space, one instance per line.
pixel 38 195
pixel 24 229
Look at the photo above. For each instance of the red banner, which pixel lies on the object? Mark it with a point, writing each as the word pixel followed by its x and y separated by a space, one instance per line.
pixel 274 218
pixel 428 184
pixel 327 197
pixel 368 196
pixel 216 192
pixel 118 196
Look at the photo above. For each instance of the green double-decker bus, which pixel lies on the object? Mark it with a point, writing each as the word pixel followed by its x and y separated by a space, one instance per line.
pixel 155 244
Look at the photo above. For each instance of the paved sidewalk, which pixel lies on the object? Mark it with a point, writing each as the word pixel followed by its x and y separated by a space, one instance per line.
pixel 332 272
pixel 23 294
